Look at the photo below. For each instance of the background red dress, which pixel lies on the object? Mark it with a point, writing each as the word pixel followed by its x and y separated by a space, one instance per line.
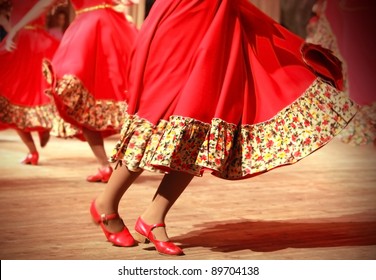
pixel 88 70
pixel 344 27
pixel 23 102
pixel 219 86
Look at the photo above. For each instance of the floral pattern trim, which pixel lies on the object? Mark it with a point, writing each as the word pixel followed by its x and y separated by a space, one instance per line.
pixel 362 128
pixel 77 104
pixel 232 151
pixel 26 118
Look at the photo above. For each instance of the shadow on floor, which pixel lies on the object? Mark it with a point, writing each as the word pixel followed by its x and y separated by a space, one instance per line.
pixel 269 236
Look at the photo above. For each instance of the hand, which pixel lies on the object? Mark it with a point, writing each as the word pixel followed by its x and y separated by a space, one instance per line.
pixel 10 45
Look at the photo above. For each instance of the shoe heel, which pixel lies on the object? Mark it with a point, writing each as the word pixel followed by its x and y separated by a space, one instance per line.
pixel 163 247
pixel 140 238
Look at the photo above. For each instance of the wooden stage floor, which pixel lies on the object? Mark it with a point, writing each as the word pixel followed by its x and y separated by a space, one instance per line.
pixel 321 208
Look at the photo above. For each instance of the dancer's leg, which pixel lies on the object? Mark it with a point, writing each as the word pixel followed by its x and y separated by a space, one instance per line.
pixel 108 201
pixel 170 189
pixel 95 140
pixel 44 137
pixel 27 139
pixel 96 143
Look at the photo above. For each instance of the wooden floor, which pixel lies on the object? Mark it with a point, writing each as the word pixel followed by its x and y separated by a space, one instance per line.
pixel 323 207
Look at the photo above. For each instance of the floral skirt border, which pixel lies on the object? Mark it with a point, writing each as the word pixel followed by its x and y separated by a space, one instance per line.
pixel 232 151
pixel 26 118
pixel 79 107
pixel 362 128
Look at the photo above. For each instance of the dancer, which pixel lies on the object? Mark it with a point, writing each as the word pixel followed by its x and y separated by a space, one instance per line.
pixel 89 82
pixel 216 86
pixel 58 22
pixel 357 20
pixel 24 106
pixel 87 73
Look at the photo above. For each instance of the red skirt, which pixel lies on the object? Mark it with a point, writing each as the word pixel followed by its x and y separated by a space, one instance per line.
pixel 87 73
pixel 219 86
pixel 23 102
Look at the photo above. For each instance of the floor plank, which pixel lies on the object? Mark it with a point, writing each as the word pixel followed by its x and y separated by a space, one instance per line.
pixel 322 207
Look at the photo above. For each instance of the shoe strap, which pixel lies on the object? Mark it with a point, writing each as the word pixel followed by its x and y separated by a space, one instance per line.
pixel 105 169
pixel 105 218
pixel 146 229
pixel 157 225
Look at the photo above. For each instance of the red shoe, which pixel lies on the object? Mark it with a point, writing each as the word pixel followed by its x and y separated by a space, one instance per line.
pixel 31 158
pixel 163 247
pixel 103 175
pixel 122 238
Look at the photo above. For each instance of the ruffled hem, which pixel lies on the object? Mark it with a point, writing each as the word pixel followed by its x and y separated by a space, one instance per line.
pixel 362 129
pixel 77 105
pixel 65 130
pixel 233 151
pixel 34 118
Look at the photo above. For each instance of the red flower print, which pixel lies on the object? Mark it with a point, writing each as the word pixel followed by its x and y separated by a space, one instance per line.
pixel 159 157
pixel 138 157
pixel 297 154
pixel 270 143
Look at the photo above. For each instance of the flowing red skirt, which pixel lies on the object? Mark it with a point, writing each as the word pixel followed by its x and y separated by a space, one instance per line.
pixel 219 86
pixel 87 73
pixel 23 102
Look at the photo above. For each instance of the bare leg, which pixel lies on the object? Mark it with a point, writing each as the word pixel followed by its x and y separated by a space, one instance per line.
pixel 44 137
pixel 108 201
pixel 169 190
pixel 95 140
pixel 27 139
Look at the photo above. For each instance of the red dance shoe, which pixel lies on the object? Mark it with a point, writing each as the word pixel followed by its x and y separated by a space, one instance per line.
pixel 122 238
pixel 103 175
pixel 163 247
pixel 31 158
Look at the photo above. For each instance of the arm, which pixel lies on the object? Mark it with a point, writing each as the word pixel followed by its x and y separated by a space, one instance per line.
pixel 4 22
pixel 31 15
